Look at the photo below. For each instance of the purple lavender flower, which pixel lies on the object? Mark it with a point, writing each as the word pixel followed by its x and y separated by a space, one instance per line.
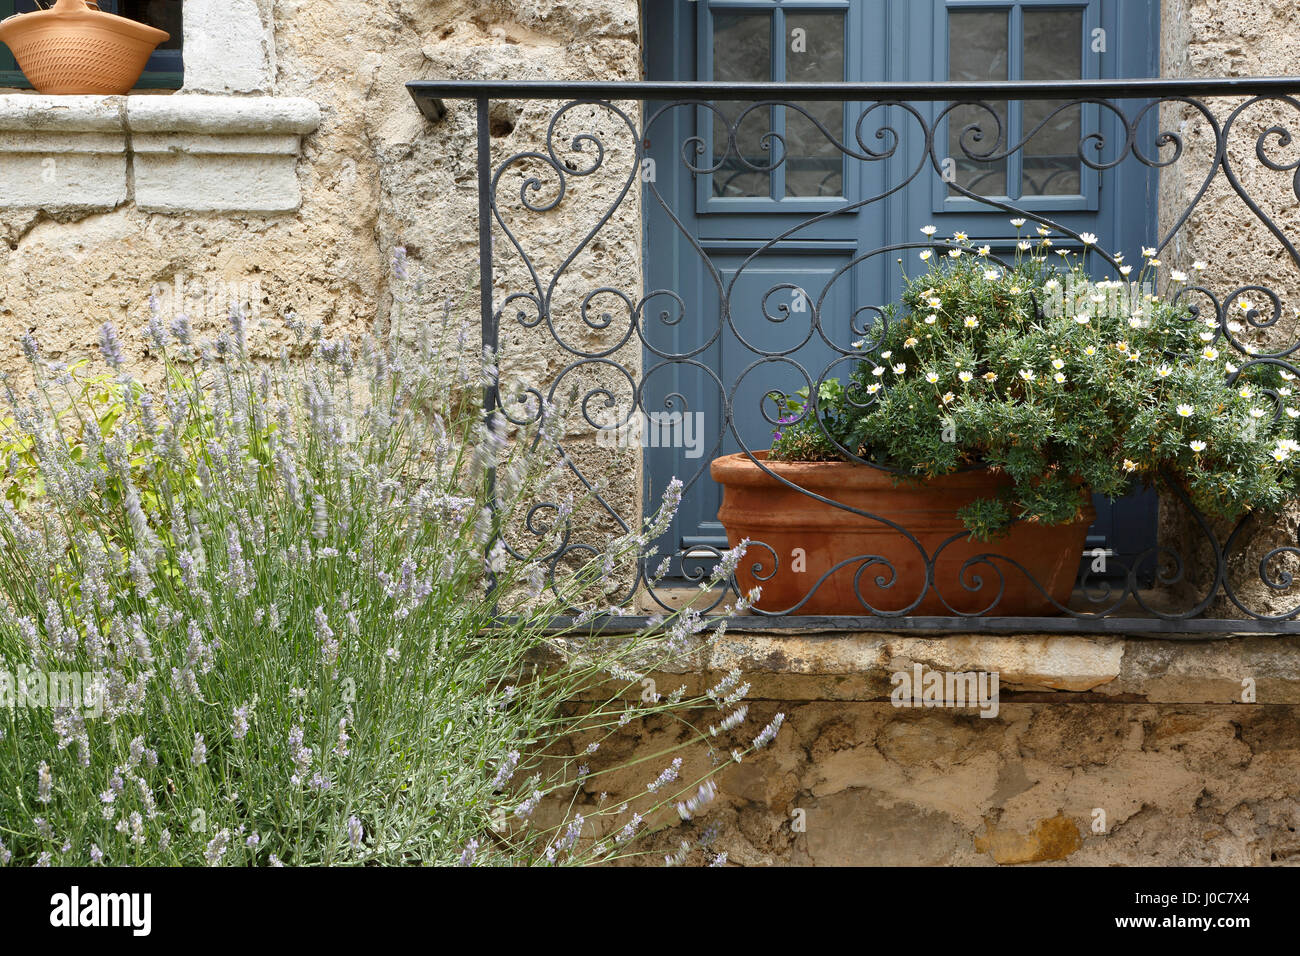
pixel 110 346
pixel 468 854
pixel 768 733
pixel 506 770
pixel 667 777
pixel 216 847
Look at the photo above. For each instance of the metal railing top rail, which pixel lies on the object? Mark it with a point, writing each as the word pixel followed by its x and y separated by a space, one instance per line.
pixel 427 90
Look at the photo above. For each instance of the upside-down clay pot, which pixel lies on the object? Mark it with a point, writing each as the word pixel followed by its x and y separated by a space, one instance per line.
pixel 796 539
pixel 72 48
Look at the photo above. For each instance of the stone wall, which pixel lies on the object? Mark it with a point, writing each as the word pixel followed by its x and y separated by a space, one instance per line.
pixel 1102 751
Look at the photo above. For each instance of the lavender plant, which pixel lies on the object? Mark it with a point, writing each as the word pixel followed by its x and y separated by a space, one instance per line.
pixel 276 578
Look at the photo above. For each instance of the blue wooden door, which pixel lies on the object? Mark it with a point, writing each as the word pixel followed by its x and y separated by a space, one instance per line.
pixel 744 326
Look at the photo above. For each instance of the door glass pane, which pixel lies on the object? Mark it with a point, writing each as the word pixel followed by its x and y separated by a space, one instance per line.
pixel 977 51
pixel 1053 51
pixel 814 54
pixel 742 53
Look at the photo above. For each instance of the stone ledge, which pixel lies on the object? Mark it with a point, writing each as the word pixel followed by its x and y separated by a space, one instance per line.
pixel 183 153
pixel 226 115
pixel 858 667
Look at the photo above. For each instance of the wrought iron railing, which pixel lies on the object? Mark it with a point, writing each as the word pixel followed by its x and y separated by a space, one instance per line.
pixel 1198 582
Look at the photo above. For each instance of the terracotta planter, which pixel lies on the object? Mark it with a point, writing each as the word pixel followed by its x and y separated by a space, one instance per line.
pixel 758 507
pixel 72 48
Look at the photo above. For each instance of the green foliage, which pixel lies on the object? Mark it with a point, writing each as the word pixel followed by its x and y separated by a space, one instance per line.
pixel 276 581
pixel 1067 385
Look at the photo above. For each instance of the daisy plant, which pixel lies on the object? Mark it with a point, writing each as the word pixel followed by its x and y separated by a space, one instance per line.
pixel 1067 384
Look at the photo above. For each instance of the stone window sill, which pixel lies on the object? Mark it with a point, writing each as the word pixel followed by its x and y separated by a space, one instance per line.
pixel 181 153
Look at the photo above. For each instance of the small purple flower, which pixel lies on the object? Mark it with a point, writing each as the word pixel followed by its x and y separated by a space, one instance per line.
pixel 469 853
pixel 110 346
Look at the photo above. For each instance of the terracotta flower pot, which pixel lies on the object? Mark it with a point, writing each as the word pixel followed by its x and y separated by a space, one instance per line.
pixel 72 48
pixel 810 537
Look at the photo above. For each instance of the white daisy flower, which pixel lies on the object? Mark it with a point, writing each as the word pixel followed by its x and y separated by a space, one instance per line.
pixel 925 255
pixel 1196 445
pixel 1185 411
pixel 971 322
pixel 932 377
pixel 1088 239
pixel 965 376
pixel 929 230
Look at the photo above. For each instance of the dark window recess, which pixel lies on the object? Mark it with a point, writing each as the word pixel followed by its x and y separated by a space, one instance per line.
pixel 164 70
